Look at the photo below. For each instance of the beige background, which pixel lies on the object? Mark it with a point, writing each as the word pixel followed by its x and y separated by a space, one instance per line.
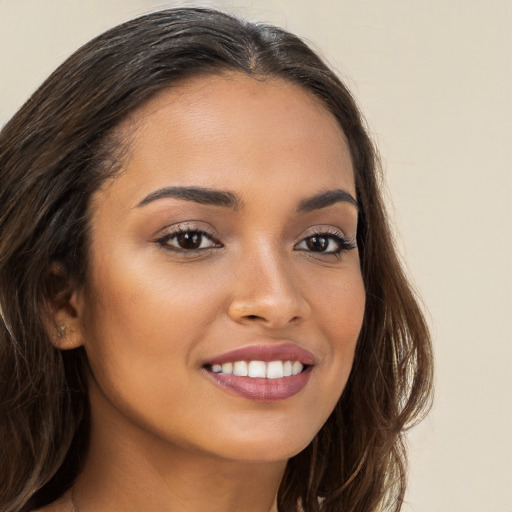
pixel 435 81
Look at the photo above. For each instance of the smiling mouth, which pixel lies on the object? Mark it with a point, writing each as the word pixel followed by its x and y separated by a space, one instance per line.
pixel 259 369
pixel 260 381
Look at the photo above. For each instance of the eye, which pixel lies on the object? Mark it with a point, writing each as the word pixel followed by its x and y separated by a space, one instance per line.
pixel 188 240
pixel 326 243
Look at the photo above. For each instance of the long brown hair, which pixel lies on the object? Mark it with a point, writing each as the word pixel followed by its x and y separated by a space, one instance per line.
pixel 59 148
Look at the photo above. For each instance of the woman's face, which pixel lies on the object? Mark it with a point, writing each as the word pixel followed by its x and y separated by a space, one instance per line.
pixel 226 242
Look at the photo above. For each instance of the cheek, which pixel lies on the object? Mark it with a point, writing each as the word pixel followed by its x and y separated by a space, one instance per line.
pixel 339 316
pixel 135 299
pixel 140 335
pixel 340 308
pixel 145 320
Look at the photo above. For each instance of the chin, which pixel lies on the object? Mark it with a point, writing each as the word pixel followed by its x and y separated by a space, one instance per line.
pixel 265 447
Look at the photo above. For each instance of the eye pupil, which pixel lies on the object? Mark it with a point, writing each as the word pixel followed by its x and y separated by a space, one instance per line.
pixel 189 240
pixel 317 243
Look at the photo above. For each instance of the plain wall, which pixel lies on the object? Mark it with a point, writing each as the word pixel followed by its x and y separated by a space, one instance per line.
pixel 435 82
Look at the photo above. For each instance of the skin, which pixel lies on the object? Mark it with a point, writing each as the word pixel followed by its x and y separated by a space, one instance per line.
pixel 164 436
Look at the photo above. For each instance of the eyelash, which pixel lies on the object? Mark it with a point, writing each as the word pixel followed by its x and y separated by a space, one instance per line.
pixel 181 231
pixel 343 243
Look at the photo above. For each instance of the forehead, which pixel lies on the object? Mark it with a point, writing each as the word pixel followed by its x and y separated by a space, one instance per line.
pixel 226 130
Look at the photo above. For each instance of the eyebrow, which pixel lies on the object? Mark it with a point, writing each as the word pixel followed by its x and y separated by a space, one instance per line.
pixel 226 199
pixel 196 194
pixel 325 199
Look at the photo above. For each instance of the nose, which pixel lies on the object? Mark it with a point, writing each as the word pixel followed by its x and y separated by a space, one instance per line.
pixel 267 292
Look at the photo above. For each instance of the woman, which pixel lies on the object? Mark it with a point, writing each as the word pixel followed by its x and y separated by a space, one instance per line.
pixel 202 307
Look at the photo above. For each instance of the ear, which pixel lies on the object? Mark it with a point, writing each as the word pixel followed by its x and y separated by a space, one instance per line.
pixel 64 309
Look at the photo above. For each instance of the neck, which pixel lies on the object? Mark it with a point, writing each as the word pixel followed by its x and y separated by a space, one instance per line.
pixel 135 470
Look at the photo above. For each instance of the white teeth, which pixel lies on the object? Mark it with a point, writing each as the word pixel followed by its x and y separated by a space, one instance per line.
pixel 240 369
pixel 297 368
pixel 260 369
pixel 275 370
pixel 227 368
pixel 257 369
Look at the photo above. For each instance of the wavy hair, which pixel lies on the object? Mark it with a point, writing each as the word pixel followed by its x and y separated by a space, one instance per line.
pixel 61 146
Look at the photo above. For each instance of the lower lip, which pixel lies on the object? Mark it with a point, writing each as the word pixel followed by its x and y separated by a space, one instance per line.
pixel 262 390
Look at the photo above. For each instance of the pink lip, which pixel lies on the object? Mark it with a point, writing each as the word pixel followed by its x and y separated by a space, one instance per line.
pixel 266 353
pixel 263 390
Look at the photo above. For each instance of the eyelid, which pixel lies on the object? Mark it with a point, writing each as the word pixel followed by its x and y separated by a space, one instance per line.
pixel 345 242
pixel 174 230
pixel 189 225
pixel 323 229
pixel 329 230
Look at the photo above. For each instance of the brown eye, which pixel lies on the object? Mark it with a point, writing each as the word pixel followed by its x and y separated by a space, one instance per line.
pixel 188 240
pixel 326 243
pixel 317 243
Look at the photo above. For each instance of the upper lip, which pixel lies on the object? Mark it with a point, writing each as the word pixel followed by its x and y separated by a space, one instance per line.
pixel 266 353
